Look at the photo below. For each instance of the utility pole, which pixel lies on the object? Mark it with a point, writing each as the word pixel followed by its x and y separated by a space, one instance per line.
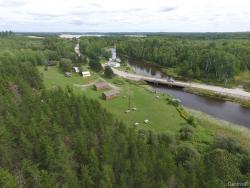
pixel 129 98
pixel 129 105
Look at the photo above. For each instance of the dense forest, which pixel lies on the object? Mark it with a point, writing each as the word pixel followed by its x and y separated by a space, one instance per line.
pixel 55 138
pixel 35 51
pixel 219 60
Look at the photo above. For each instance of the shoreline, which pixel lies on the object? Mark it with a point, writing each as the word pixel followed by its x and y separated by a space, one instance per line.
pixel 206 93
pixel 219 122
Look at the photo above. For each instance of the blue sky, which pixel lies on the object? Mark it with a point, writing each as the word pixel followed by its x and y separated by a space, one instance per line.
pixel 125 16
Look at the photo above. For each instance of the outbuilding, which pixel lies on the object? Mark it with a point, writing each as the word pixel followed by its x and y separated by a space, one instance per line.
pixel 67 74
pixel 110 94
pixel 101 86
pixel 76 69
pixel 86 74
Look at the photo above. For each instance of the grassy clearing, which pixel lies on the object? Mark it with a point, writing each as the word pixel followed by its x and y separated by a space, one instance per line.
pixel 53 78
pixel 161 116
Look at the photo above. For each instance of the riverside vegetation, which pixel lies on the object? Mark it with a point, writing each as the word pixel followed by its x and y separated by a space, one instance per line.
pixel 59 137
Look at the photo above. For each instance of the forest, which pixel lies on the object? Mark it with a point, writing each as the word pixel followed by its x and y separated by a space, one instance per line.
pixel 56 138
pixel 216 60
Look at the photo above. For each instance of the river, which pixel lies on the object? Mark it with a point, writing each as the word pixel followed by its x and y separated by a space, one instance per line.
pixel 225 110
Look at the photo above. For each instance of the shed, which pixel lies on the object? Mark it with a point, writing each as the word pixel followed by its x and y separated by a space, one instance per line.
pixel 110 94
pixel 67 74
pixel 86 74
pixel 76 69
pixel 101 86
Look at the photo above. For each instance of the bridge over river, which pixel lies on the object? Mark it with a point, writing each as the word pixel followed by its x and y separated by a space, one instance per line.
pixel 236 92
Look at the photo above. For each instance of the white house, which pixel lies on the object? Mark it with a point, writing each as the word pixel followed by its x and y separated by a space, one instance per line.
pixel 76 69
pixel 114 64
pixel 86 74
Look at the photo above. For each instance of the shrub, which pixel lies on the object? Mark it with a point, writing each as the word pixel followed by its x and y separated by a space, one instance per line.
pixel 186 132
pixel 167 138
pixel 225 163
pixel 245 165
pixel 108 72
pixel 228 144
pixel 186 154
pixel 191 120
pixel 95 65
pixel 66 65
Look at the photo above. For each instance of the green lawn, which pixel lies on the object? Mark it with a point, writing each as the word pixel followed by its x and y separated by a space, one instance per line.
pixel 53 77
pixel 162 117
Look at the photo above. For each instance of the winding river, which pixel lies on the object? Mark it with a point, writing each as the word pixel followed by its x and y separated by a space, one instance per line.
pixel 225 110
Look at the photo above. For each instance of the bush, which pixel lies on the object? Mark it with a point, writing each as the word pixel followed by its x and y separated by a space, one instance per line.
pixel 108 72
pixel 228 144
pixel 186 132
pixel 66 65
pixel 225 163
pixel 186 154
pixel 245 165
pixel 191 120
pixel 95 65
pixel 167 138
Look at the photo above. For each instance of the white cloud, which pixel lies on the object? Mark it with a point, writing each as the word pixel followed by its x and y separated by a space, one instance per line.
pixel 129 15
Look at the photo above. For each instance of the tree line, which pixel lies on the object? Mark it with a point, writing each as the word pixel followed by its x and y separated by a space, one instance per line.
pixel 218 60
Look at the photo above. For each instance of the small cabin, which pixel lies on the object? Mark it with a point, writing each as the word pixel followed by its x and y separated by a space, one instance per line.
pixel 67 74
pixel 86 74
pixel 101 86
pixel 76 69
pixel 110 94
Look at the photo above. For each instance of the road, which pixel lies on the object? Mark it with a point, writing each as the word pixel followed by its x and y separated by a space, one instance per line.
pixel 237 93
pixel 77 49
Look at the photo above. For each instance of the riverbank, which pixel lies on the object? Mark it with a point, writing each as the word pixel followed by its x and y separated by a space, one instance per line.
pixel 219 126
pixel 202 92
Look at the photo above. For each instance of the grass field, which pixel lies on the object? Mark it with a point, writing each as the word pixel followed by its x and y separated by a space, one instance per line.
pixel 53 77
pixel 161 116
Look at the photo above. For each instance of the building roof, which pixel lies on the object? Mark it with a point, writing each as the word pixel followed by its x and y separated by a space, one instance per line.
pixel 111 93
pixel 101 84
pixel 85 72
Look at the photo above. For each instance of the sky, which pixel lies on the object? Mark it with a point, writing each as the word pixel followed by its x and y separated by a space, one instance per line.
pixel 125 15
